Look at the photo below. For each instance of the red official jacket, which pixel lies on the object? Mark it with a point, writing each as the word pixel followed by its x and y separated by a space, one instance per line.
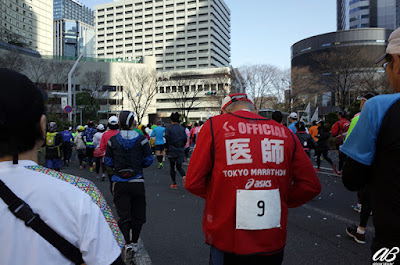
pixel 253 172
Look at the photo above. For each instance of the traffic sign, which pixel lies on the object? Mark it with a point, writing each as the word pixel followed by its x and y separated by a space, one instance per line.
pixel 68 109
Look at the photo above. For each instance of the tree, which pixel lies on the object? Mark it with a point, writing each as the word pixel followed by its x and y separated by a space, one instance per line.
pixel 59 72
pixel 139 85
pixel 38 70
pixel 225 83
pixel 7 36
pixel 89 105
pixel 13 60
pixel 93 80
pixel 260 81
pixel 340 71
pixel 183 89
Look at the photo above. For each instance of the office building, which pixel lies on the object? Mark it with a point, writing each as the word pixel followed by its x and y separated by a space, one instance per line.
pixel 71 37
pixel 73 29
pixel 73 10
pixel 28 23
pixel 368 41
pixel 181 34
pixel 353 14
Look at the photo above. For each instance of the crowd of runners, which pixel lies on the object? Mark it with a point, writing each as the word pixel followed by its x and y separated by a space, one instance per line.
pixel 250 170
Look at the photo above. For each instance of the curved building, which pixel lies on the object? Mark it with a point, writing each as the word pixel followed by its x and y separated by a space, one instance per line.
pixel 372 39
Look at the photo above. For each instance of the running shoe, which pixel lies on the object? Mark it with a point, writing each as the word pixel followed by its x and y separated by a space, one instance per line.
pixel 91 169
pixel 135 247
pixel 352 231
pixel 173 187
pixel 103 177
pixel 128 251
pixel 160 165
pixel 357 208
pixel 335 170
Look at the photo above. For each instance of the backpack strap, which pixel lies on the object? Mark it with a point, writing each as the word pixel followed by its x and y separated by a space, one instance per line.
pixel 213 147
pixel 295 145
pixel 24 212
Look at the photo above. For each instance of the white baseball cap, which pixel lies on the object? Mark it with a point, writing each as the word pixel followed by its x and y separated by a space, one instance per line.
pixel 113 120
pixel 393 46
pixel 293 115
pixel 100 127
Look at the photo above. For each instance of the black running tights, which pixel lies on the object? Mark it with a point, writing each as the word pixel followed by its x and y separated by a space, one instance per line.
pixel 324 155
pixel 175 162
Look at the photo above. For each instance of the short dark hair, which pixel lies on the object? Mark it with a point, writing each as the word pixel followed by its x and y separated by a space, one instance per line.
pixel 300 126
pixel 21 107
pixel 126 119
pixel 314 123
pixel 277 116
pixel 113 126
pixel 175 117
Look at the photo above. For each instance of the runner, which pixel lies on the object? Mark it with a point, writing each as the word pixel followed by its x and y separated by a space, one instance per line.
pixel 158 133
pixel 323 147
pixel 87 137
pixel 80 146
pixel 67 146
pixel 176 139
pixel 339 130
pixel 305 139
pixel 51 216
pixel 127 154
pixel 97 153
pixel 250 172
pixel 54 145
pixel 292 121
pixel 113 130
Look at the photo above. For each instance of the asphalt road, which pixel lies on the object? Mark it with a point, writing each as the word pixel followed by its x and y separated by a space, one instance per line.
pixel 173 233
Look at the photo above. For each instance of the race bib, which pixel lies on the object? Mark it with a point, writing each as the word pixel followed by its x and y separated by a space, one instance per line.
pixel 258 209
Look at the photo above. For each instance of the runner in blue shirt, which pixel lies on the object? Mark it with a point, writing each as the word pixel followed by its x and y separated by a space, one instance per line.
pixel 158 132
pixel 373 150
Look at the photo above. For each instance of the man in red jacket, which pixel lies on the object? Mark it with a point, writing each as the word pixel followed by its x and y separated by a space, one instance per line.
pixel 339 130
pixel 250 170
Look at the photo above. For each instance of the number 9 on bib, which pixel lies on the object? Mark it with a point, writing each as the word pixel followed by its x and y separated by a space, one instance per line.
pixel 258 209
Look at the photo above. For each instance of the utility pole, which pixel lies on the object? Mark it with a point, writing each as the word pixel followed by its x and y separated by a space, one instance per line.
pixel 70 85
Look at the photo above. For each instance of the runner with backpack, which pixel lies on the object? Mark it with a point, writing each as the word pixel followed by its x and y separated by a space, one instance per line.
pixel 54 144
pixel 305 139
pixel 176 139
pixel 87 137
pixel 127 154
pixel 339 130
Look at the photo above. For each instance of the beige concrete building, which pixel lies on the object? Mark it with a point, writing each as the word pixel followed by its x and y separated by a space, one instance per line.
pixel 28 22
pixel 181 34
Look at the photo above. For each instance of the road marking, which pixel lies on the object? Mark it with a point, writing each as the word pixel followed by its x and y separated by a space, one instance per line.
pixel 334 216
pixel 142 257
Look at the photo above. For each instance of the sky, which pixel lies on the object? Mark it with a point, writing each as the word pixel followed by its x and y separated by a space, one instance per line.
pixel 262 31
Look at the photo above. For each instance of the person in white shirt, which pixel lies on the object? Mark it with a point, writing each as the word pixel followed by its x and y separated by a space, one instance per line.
pixel 67 210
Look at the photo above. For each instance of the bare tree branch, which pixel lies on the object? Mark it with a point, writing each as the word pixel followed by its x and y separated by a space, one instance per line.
pixel 139 84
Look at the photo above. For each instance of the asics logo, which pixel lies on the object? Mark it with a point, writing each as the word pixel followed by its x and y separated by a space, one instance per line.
pixel 258 184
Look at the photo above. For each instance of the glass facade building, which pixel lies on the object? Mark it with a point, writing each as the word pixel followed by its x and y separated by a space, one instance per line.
pixel 353 14
pixel 73 10
pixel 73 29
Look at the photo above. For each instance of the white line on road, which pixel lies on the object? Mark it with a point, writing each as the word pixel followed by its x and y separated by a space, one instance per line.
pixel 334 216
pixel 142 257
